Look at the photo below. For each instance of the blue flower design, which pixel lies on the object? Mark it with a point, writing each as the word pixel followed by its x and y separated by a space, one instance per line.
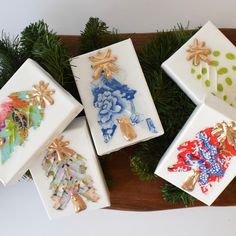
pixel 112 99
pixel 109 104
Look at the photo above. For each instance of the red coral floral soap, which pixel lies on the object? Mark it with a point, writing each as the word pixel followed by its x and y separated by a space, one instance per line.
pixel 202 158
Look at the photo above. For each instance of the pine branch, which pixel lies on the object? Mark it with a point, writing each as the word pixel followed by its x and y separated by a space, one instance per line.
pixel 97 35
pixel 175 195
pixel 40 44
pixel 46 48
pixel 31 35
pixel 10 58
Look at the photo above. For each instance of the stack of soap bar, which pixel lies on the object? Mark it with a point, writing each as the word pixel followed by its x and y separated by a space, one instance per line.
pixel 116 98
pixel 68 175
pixel 202 158
pixel 205 64
pixel 34 109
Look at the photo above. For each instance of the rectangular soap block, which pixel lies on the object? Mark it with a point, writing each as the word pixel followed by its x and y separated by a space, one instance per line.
pixel 117 102
pixel 206 63
pixel 202 158
pixel 34 109
pixel 68 175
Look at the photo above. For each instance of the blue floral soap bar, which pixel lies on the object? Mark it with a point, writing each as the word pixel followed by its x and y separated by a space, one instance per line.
pixel 116 98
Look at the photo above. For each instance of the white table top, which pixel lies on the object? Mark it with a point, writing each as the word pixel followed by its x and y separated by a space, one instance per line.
pixel 22 214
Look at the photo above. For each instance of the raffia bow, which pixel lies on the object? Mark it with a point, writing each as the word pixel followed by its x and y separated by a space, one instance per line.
pixel 60 147
pixel 103 62
pixel 41 94
pixel 198 52
pixel 225 131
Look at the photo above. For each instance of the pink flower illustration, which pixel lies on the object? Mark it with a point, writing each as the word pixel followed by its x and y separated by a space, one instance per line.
pixel 5 107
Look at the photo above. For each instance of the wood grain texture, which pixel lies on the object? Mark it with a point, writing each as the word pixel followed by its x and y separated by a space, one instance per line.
pixel 127 192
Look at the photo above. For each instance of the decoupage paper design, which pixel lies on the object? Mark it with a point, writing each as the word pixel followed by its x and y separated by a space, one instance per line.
pixel 69 179
pixel 205 64
pixel 207 157
pixel 114 101
pixel 214 68
pixel 20 112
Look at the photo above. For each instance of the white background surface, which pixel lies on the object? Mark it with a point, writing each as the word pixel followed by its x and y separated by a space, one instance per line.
pixel 69 17
pixel 21 211
pixel 22 214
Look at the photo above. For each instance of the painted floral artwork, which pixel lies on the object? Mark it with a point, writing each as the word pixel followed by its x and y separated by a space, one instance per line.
pixel 69 178
pixel 20 112
pixel 208 155
pixel 214 68
pixel 114 101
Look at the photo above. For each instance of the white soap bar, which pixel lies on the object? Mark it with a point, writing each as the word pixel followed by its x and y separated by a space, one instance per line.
pixel 26 128
pixel 206 63
pixel 198 153
pixel 77 134
pixel 116 98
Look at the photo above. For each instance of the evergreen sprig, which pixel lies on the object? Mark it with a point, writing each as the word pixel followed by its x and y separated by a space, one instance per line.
pixel 97 35
pixel 39 43
pixel 45 47
pixel 10 57
pixel 175 195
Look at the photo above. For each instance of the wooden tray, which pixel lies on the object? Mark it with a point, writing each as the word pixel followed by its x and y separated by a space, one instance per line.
pixel 127 191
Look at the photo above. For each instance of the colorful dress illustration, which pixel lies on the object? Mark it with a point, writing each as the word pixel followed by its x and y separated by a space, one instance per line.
pixel 214 68
pixel 207 157
pixel 69 179
pixel 114 100
pixel 20 112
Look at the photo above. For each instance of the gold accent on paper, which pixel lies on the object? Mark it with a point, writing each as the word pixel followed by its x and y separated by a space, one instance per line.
pixel 198 52
pixel 127 129
pixel 103 62
pixel 225 131
pixel 2 141
pixel 41 94
pixel 60 147
pixel 191 180
pixel 58 201
pixel 78 203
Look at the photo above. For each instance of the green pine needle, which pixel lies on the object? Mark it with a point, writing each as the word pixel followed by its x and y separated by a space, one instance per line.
pixel 40 44
pixel 46 48
pixel 10 58
pixel 32 34
pixel 175 195
pixel 97 35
